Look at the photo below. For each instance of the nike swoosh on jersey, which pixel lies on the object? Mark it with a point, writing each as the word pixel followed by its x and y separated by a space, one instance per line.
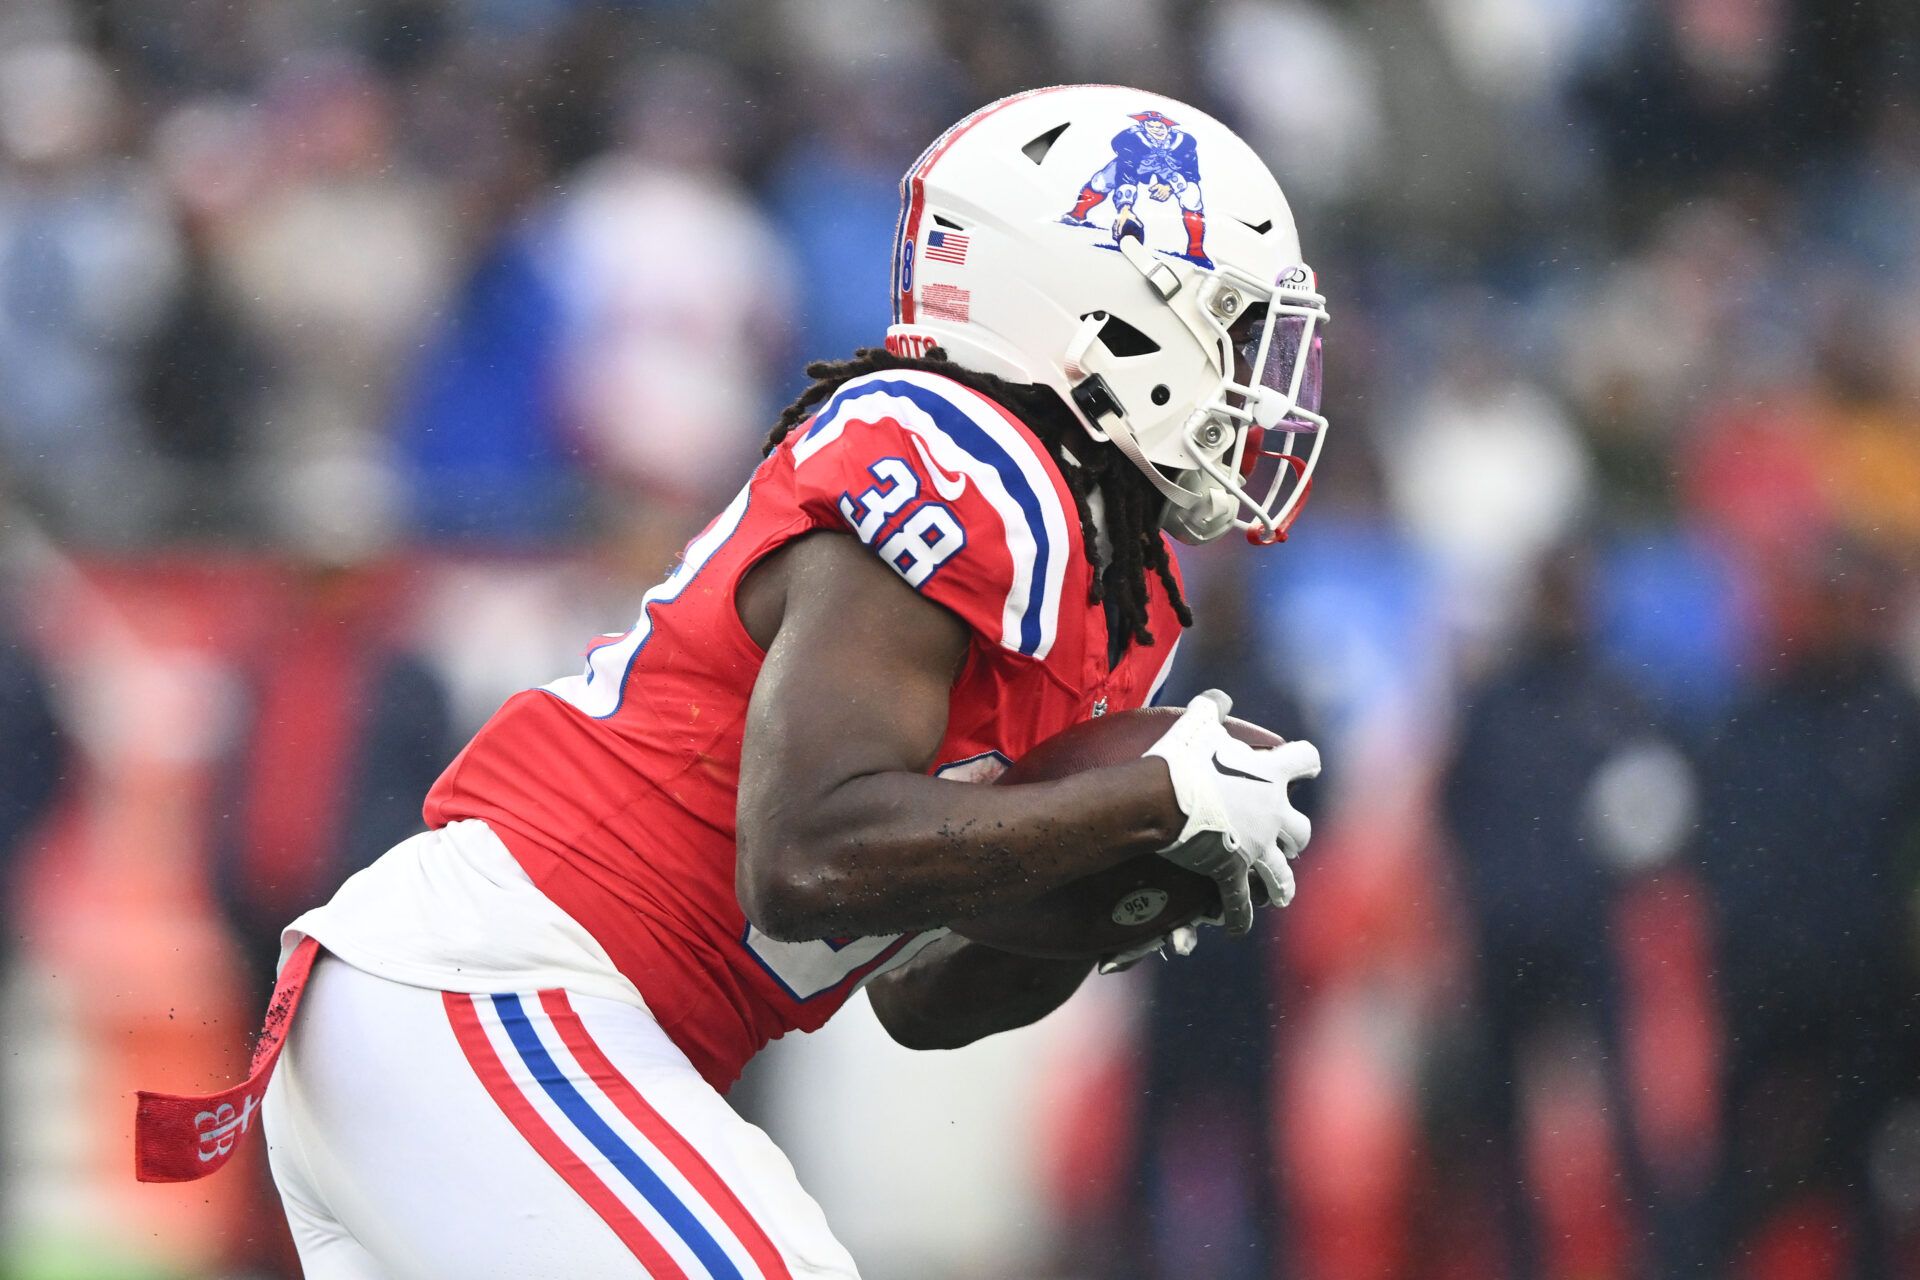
pixel 945 483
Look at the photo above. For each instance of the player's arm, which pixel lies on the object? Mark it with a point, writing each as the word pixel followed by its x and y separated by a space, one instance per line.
pixel 841 831
pixel 956 992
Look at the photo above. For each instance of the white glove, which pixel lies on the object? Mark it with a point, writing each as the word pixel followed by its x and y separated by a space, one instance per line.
pixel 1182 938
pixel 1240 822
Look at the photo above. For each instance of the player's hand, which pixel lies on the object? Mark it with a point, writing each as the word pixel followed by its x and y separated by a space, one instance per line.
pixel 1160 191
pixel 1240 822
pixel 1182 939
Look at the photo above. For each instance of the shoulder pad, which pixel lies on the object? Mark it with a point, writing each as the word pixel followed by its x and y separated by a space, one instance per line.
pixel 996 549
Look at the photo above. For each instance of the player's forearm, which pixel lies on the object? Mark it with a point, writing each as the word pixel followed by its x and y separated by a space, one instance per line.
pixel 893 852
pixel 956 992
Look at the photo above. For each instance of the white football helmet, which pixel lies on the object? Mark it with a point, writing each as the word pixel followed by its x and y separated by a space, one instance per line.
pixel 1137 256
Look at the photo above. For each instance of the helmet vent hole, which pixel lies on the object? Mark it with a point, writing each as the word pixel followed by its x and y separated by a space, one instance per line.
pixel 1122 339
pixel 1258 228
pixel 1160 394
pixel 1036 150
pixel 948 223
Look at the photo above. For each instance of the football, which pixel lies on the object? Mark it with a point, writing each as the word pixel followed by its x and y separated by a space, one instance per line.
pixel 1124 905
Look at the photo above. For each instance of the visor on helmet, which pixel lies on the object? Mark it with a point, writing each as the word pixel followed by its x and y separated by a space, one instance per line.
pixel 1273 399
pixel 1294 383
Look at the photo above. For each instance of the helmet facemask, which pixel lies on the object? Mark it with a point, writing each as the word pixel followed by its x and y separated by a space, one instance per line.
pixel 1274 394
pixel 1233 463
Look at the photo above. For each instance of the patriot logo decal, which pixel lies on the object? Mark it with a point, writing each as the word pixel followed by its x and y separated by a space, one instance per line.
pixel 1154 157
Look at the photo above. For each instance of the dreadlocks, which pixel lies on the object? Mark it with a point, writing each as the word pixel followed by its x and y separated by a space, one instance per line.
pixel 1130 506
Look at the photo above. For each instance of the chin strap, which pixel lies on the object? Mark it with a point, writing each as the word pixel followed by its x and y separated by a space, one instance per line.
pixel 1096 400
pixel 1191 517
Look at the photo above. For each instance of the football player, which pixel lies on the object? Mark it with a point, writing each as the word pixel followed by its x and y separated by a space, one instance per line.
pixel 512 1051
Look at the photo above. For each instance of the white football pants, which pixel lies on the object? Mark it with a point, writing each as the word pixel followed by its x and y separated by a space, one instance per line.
pixel 432 1135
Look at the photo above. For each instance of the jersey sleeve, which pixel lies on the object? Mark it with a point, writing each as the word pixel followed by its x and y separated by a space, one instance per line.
pixel 951 494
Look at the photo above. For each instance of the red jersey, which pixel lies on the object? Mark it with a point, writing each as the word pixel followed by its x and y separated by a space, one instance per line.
pixel 616 788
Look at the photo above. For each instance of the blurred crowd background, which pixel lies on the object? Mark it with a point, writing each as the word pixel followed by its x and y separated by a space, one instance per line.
pixel 357 362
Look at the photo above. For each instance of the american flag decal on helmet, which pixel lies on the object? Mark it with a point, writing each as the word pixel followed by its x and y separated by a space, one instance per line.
pixel 947 246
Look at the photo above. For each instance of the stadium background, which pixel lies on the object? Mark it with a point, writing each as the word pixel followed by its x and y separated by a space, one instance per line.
pixel 358 361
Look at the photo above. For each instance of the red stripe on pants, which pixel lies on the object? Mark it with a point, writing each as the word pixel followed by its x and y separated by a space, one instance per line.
pixel 540 1136
pixel 691 1164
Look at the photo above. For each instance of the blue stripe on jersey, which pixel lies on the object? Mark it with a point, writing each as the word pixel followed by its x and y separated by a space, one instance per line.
pixel 608 1143
pixel 971 437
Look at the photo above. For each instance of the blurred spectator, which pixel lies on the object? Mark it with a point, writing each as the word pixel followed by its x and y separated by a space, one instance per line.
pixel 1487 472
pixel 1324 132
pixel 337 257
pixel 32 762
pixel 486 451
pixel 836 195
pixel 676 297
pixel 1811 811
pixel 1144 42
pixel 201 371
pixel 852 38
pixel 1543 833
pixel 1868 448
pixel 1636 342
pixel 344 733
pixel 87 259
pixel 484 442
